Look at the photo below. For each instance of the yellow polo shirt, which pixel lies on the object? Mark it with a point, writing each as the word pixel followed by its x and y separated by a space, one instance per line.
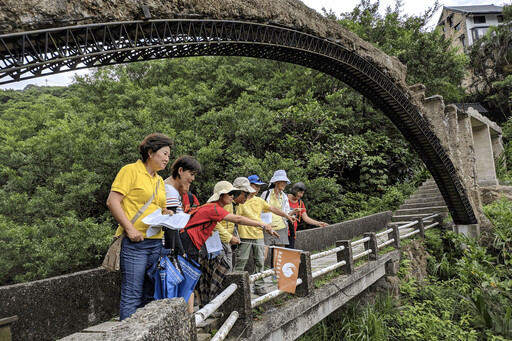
pixel 252 209
pixel 137 185
pixel 277 221
pixel 226 228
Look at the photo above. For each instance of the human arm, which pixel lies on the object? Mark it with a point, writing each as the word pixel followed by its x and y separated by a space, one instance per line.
pixel 311 221
pixel 249 222
pixel 277 211
pixel 114 205
pixel 225 236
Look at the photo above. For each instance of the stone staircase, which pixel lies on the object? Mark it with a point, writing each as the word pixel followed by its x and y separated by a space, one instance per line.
pixel 427 200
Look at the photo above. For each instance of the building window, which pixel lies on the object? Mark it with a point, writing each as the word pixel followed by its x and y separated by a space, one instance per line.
pixel 450 20
pixel 500 18
pixel 463 40
pixel 479 32
pixel 457 27
pixel 479 19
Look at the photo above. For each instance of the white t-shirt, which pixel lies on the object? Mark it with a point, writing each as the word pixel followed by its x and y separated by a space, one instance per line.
pixel 173 198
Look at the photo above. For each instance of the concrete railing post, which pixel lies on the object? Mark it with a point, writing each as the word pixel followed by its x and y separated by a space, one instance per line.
pixel 395 234
pixel 240 301
pixel 158 320
pixel 306 274
pixel 346 255
pixel 421 227
pixel 371 244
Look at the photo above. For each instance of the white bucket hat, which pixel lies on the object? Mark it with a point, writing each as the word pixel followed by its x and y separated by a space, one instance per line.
pixel 279 175
pixel 243 184
pixel 221 187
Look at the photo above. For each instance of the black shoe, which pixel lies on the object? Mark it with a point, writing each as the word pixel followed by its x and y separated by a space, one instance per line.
pixel 260 291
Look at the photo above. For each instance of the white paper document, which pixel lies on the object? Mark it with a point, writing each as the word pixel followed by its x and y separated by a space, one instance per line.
pixel 157 220
pixel 213 243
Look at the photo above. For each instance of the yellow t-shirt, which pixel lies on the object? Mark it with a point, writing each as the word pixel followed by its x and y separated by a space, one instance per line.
pixel 276 220
pixel 137 185
pixel 224 227
pixel 252 209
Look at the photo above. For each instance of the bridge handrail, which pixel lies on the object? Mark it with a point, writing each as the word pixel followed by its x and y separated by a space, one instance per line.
pixel 267 297
pixel 362 254
pixel 431 225
pixel 386 243
pixel 383 233
pixel 223 331
pixel 203 313
pixel 360 241
pixel 261 275
pixel 435 215
pixel 327 253
pixel 411 224
pixel 328 269
pixel 412 233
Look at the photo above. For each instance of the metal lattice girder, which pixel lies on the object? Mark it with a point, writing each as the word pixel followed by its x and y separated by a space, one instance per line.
pixel 38 53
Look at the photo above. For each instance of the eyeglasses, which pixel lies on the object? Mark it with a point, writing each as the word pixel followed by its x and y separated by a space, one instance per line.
pixel 246 194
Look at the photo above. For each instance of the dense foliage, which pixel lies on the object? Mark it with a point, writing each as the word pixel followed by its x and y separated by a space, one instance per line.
pixel 491 65
pixel 429 58
pixel 62 147
pixel 467 296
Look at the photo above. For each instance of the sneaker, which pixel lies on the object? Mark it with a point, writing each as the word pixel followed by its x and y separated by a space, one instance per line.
pixel 260 291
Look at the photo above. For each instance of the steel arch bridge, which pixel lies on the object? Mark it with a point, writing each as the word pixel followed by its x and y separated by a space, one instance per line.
pixel 33 54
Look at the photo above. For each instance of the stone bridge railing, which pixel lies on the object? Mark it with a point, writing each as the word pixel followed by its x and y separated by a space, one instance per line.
pixel 55 307
pixel 168 318
pixel 236 301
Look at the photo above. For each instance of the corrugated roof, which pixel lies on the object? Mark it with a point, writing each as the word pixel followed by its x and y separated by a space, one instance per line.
pixel 476 9
pixel 477 106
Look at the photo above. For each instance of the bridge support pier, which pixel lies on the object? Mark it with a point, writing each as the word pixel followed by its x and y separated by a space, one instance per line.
pixel 240 301
pixel 306 274
pixel 472 230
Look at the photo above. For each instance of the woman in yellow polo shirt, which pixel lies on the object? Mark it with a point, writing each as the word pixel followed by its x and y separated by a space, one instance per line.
pixel 133 186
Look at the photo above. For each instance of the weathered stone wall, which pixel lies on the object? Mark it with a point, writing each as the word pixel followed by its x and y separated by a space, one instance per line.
pixel 59 306
pixel 322 237
pixel 165 319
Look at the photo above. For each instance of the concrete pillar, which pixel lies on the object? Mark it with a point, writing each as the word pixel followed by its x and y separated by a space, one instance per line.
pixel 346 255
pixel 484 154
pixel 306 274
pixel 395 234
pixel 240 301
pixel 371 244
pixel 472 230
pixel 421 227
pixel 158 320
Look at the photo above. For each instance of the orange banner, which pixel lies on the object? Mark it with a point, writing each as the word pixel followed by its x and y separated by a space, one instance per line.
pixel 286 266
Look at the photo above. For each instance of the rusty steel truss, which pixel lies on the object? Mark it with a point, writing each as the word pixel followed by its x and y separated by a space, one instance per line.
pixel 33 54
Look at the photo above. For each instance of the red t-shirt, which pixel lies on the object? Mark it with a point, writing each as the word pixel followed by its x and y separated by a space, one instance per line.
pixel 296 205
pixel 204 221
pixel 185 202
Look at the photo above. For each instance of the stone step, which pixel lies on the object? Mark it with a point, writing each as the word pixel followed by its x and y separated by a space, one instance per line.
pixel 426 196
pixel 431 209
pixel 431 203
pixel 425 200
pixel 204 337
pixel 210 324
pixel 427 190
pixel 410 217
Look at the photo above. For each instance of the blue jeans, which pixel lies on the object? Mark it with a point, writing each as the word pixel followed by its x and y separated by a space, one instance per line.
pixel 137 288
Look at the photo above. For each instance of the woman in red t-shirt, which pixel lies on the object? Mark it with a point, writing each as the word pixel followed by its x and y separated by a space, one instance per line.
pixel 296 203
pixel 204 219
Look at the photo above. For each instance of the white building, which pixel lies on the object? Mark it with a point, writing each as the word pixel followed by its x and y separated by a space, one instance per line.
pixel 465 24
